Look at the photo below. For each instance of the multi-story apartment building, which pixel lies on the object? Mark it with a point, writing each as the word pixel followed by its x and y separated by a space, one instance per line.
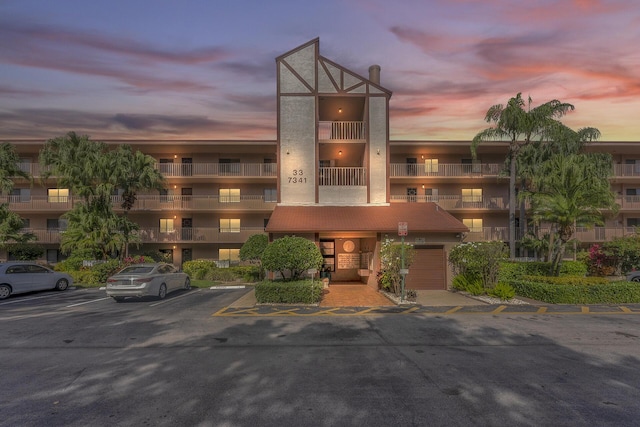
pixel 332 175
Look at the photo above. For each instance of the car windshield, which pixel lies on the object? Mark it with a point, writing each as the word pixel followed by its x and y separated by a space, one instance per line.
pixel 136 270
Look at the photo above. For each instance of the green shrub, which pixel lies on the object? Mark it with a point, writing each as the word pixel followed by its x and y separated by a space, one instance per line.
pixel 103 270
pixel 25 251
pixel 502 290
pixel 291 292
pixel 389 277
pixel 568 280
pixel 611 293
pixel 293 255
pixel 481 259
pixel 514 270
pixel 198 269
pixel 468 283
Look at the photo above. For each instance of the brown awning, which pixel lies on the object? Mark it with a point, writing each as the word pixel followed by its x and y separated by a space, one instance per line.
pixel 421 217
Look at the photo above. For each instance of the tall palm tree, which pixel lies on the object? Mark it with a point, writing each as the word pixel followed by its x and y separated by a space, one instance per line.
pixel 571 191
pixel 514 123
pixel 11 223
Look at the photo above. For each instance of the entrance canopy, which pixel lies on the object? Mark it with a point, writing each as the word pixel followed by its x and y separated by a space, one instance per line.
pixel 421 217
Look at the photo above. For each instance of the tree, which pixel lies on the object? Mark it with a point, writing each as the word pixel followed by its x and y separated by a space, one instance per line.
pixel 293 255
pixel 94 173
pixel 570 191
pixel 389 277
pixel 11 223
pixel 517 125
pixel 253 249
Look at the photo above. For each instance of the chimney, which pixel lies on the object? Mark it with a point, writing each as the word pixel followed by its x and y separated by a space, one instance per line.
pixel 374 74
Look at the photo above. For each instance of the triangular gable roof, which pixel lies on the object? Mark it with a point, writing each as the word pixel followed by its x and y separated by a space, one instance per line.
pixel 420 217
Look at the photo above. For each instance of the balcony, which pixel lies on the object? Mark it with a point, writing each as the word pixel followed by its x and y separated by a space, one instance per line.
pixel 177 235
pixel 147 203
pixel 197 170
pixel 351 130
pixel 443 170
pixel 455 202
pixel 344 176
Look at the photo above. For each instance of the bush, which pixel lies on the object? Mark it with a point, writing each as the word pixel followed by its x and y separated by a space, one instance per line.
pixel 502 290
pixel 103 270
pixel 611 293
pixel 568 280
pixel 468 283
pixel 198 269
pixel 389 277
pixel 293 255
pixel 514 270
pixel 25 251
pixel 298 292
pixel 479 259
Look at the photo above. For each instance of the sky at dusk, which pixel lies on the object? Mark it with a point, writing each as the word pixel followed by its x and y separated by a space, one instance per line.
pixel 205 69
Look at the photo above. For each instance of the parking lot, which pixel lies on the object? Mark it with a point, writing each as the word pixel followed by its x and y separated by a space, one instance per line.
pixel 77 358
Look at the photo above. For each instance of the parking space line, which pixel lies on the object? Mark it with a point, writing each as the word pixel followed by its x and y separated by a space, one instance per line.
pixel 499 309
pixel 87 302
pixel 28 299
pixel 173 299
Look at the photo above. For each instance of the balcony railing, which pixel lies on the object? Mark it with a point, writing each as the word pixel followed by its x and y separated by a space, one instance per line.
pixel 349 176
pixel 453 202
pixel 177 235
pixel 342 130
pixel 172 170
pixel 146 203
pixel 402 170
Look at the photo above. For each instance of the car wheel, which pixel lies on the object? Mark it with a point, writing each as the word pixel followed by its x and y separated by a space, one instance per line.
pixel 62 284
pixel 118 299
pixel 636 279
pixel 163 291
pixel 187 283
pixel 5 291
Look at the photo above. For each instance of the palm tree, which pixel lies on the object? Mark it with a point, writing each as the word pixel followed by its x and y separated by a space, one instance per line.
pixel 517 125
pixel 570 191
pixel 11 223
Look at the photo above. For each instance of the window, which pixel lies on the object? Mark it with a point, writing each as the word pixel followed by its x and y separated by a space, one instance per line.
pixel 229 195
pixel 230 255
pixel 20 195
pixel 166 225
pixel 474 224
pixel 432 194
pixel 431 165
pixel 56 224
pixel 230 225
pixel 58 195
pixel 412 194
pixel 270 195
pixel 472 195
pixel 26 223
pixel 633 222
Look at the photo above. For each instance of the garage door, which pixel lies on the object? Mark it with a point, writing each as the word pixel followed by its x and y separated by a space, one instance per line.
pixel 427 271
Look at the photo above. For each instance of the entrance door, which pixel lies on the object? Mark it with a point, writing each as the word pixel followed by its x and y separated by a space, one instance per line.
pixel 186 197
pixel 412 166
pixel 187 255
pixel 187 167
pixel 427 271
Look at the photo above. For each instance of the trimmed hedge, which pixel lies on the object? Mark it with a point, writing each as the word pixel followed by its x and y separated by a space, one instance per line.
pixel 610 293
pixel 514 270
pixel 568 280
pixel 298 292
pixel 202 269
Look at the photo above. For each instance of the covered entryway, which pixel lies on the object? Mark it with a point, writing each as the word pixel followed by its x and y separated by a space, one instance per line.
pixel 428 269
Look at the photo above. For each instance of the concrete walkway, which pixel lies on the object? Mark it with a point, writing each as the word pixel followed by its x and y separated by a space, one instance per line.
pixel 363 296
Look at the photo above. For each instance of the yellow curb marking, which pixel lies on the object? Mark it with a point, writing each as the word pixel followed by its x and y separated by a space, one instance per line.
pixel 584 310
pixel 453 310
pixel 542 310
pixel 411 310
pixel 499 309
pixel 626 309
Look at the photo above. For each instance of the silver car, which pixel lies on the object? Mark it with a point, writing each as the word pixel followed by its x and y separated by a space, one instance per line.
pixel 141 280
pixel 20 277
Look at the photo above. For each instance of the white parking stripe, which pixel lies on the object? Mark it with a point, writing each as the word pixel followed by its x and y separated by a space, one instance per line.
pixel 27 299
pixel 88 302
pixel 173 299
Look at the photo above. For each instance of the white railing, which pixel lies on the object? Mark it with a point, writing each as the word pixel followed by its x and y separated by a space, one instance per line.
pixel 217 169
pixel 399 170
pixel 342 130
pixel 453 202
pixel 349 176
pixel 145 202
pixel 177 235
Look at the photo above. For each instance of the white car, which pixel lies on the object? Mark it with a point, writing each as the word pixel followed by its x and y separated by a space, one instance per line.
pixel 20 277
pixel 141 280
